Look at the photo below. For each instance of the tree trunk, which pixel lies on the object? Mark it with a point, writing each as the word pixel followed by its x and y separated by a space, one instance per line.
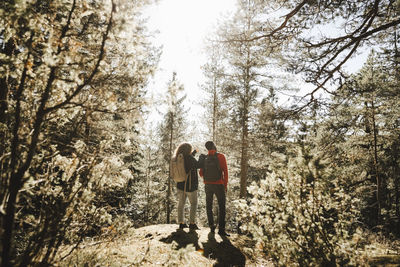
pixel 244 147
pixel 148 186
pixel 3 100
pixel 396 56
pixel 169 173
pixel 8 50
pixel 214 122
pixel 377 175
pixel 243 164
pixel 17 172
pixel 245 129
pixel 396 174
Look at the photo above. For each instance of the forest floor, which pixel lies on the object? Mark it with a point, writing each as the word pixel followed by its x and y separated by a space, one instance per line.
pixel 165 245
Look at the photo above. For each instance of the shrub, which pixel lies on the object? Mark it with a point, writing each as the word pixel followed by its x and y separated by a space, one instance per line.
pixel 302 215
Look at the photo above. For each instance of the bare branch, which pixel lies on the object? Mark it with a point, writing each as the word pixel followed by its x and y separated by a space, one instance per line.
pixel 101 110
pixel 283 24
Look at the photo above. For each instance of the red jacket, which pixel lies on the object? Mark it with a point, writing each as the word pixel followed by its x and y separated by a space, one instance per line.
pixel 224 168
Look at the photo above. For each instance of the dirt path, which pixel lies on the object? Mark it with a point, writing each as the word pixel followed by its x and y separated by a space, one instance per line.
pixel 165 245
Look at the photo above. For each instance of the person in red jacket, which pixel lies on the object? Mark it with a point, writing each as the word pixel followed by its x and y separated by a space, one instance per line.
pixel 215 173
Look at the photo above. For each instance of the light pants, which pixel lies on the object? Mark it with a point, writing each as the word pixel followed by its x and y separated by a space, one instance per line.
pixel 181 205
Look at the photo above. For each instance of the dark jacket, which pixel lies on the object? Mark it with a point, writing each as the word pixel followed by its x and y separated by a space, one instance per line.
pixel 192 183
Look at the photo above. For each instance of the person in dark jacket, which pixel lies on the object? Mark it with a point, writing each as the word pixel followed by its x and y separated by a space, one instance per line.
pixel 188 188
pixel 217 187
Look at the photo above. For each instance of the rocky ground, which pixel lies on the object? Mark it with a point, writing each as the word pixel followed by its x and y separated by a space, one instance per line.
pixel 165 245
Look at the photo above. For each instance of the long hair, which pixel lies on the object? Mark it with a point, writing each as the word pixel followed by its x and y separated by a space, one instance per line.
pixel 184 148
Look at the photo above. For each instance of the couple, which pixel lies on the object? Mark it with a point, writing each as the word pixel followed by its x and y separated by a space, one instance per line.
pixel 214 171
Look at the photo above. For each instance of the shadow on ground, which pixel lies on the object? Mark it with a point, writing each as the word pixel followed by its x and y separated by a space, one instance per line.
pixel 183 239
pixel 224 252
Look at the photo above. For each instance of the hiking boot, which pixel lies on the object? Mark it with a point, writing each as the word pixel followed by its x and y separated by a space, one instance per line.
pixel 182 225
pixel 193 226
pixel 223 233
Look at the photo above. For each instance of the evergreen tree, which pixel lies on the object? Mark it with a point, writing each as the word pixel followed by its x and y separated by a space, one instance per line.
pixel 147 194
pixel 172 130
pixel 245 64
pixel 269 138
pixel 215 115
pixel 321 55
pixel 364 116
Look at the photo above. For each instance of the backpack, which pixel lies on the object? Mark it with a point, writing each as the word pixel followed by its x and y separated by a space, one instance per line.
pixel 177 169
pixel 212 170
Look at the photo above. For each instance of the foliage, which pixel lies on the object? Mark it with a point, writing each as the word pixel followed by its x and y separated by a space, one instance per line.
pixel 171 132
pixel 318 54
pixel 238 75
pixel 215 117
pixel 75 161
pixel 269 139
pixel 67 83
pixel 367 124
pixel 317 207
pixel 302 214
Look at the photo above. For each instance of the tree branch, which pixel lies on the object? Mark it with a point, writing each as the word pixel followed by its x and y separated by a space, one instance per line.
pixel 94 71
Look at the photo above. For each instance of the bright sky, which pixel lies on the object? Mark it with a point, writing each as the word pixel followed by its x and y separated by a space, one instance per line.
pixel 183 26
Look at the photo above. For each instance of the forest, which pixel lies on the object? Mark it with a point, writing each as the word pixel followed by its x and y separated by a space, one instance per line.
pixel 312 182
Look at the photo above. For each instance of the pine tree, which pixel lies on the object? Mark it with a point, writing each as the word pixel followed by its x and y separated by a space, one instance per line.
pixel 318 54
pixel 390 59
pixel 147 195
pixel 245 64
pixel 363 116
pixel 213 101
pixel 171 132
pixel 269 137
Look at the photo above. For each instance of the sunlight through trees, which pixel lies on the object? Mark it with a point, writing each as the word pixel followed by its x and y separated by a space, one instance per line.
pixel 313 173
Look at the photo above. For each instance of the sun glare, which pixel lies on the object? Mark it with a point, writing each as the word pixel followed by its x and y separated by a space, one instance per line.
pixel 182 26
